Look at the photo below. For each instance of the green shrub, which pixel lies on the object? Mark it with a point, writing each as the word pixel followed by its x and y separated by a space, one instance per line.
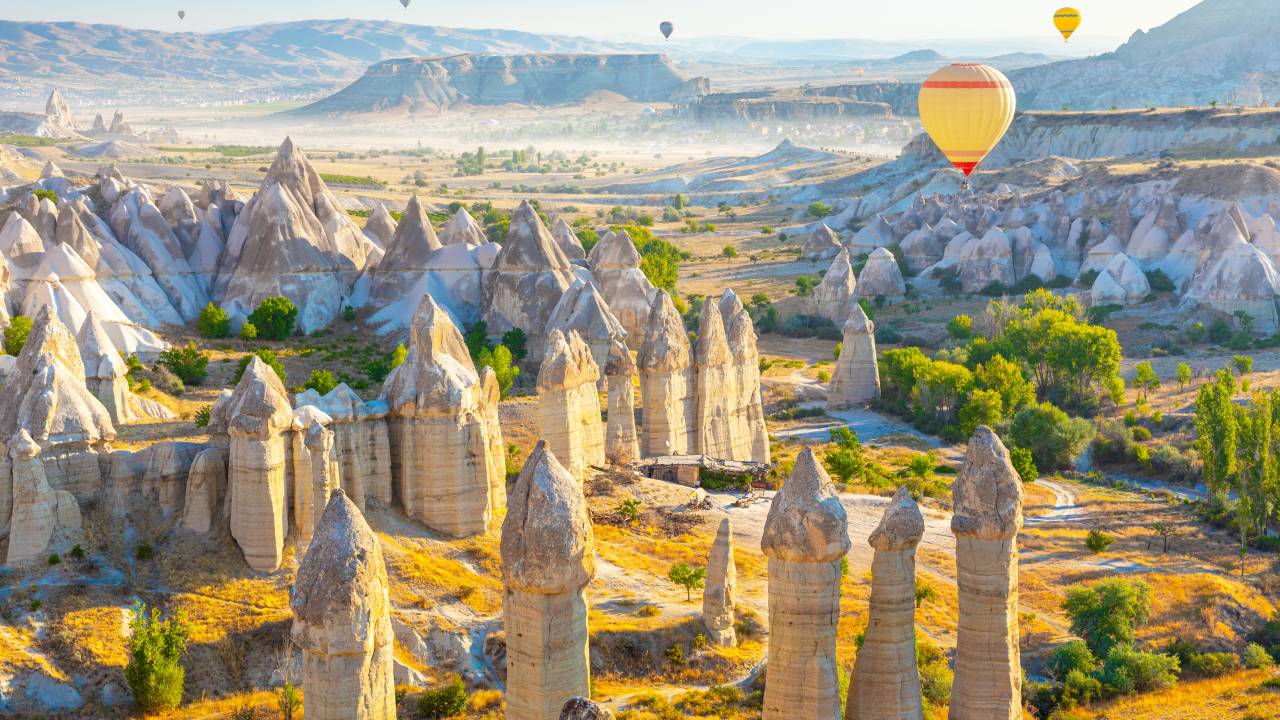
pixel 1256 657
pixel 1079 689
pixel 1071 656
pixel 15 334
pixel 202 415
pixel 248 331
pixel 55 559
pixel 144 551
pixel 274 318
pixel 77 552
pixel 188 363
pixel 214 322
pixel 1024 463
pixel 1128 670
pixel 442 702
pixel 1159 281
pixel 267 357
pixel 322 381
pixel 960 327
pixel 154 673
pixel 1098 541
pixel 516 342
pixel 1210 664
pixel 1054 439
pixel 1105 614
pixel 499 359
pixel 348 313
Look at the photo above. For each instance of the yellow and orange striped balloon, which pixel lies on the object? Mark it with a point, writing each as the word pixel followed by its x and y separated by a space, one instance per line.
pixel 1066 20
pixel 966 108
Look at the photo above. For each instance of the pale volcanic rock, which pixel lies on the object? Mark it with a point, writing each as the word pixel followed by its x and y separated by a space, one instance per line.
pixel 462 229
pixel 881 277
pixel 206 488
pixel 342 620
pixel 1043 265
pixel 568 241
pixel 805 536
pixel 140 226
pixel 666 383
pixel 987 260
pixel 749 432
pixel 492 394
pixel 1121 282
pixel 526 280
pixel 361 441
pixel 409 248
pixel 1240 279
pixel 582 309
pixel 988 514
pixel 548 557
pixel 583 709
pixel 615 265
pixel 19 241
pixel 381 227
pixel 105 376
pixel 324 480
pixel 856 380
pixel 44 520
pixel 260 420
pixel 885 683
pixel 620 444
pixel 445 448
pixel 833 295
pixel 293 238
pixel 877 234
pixel 718 597
pixel 1149 243
pixel 920 249
pixel 1100 255
pixel 569 404
pixel 715 386
pixel 822 244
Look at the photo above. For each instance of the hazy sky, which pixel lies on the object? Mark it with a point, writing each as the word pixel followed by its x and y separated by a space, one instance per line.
pixel 880 19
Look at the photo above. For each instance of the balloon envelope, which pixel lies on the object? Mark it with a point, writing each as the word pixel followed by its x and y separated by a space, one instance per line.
pixel 182 14
pixel 666 27
pixel 1066 20
pixel 405 3
pixel 858 72
pixel 966 108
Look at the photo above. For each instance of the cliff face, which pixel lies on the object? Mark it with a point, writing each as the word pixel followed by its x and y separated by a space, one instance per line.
pixel 414 85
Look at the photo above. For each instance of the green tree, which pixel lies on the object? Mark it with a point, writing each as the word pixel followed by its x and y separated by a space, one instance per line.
pixel 1024 463
pixel 847 461
pixel 476 339
pixel 15 334
pixel 1071 656
pixel 322 381
pixel 499 359
pixel 729 251
pixel 274 318
pixel 1183 375
pixel 517 343
pixel 1006 378
pixel 188 363
pixel 1127 670
pixel 1054 439
pixel 960 327
pixel 1098 541
pixel 267 357
pixel 819 210
pixel 248 331
pixel 1145 380
pixel 1106 613
pixel 984 407
pixel 805 285
pixel 689 578
pixel 1216 435
pixel 1257 477
pixel 1242 365
pixel 154 673
pixel 214 322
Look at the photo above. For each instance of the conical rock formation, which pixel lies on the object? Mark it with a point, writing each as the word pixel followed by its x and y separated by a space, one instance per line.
pixel 569 404
pixel 718 598
pixel 856 380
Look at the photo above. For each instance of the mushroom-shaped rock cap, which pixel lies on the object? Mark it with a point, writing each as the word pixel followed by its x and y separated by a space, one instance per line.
pixel 22 447
pixel 259 404
pixel 567 364
pixel 341 584
pixel 438 372
pixel 901 526
pixel 806 521
pixel 987 492
pixel 583 709
pixel 318 437
pixel 547 545
pixel 666 344
pixel 858 322
pixel 619 361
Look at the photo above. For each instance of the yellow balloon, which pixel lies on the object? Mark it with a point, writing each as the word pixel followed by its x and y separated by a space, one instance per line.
pixel 966 108
pixel 1066 20
pixel 858 72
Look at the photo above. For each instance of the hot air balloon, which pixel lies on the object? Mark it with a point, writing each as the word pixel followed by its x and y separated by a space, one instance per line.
pixel 666 27
pixel 182 14
pixel 1066 20
pixel 405 3
pixel 857 72
pixel 966 108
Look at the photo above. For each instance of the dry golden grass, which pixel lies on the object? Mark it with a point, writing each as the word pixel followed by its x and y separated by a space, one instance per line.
pixel 96 635
pixel 426 572
pixel 16 653
pixel 264 701
pixel 1239 696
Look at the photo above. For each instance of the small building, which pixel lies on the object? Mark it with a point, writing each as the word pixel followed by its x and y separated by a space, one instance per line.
pixel 697 470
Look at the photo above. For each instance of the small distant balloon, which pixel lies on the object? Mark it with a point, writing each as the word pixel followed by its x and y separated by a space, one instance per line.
pixel 182 14
pixel 858 72
pixel 405 3
pixel 1066 20
pixel 666 27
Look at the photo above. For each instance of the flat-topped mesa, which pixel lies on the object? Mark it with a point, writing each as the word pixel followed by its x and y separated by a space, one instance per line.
pixel 548 557
pixel 666 383
pixel 615 265
pixel 342 620
pixel 988 514
pixel 260 419
pixel 361 441
pixel 408 250
pixel 526 280
pixel 715 385
pixel 43 520
pixel 718 599
pixel 569 404
pixel 885 683
pixel 582 309
pixel 293 238
pixel 805 535
pixel 748 431
pixel 445 447
pixel 462 229
pixel 856 380
pixel 832 296
pixel 45 394
pixel 568 241
pixel 620 445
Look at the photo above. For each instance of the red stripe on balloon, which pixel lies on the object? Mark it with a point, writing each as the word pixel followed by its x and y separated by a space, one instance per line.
pixel 965 84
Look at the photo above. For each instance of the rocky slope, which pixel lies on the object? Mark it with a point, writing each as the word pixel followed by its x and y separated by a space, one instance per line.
pixel 415 85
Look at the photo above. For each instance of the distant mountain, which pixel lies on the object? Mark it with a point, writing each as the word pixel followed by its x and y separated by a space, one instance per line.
pixel 430 85
pixel 1219 50
pixel 919 56
pixel 103 58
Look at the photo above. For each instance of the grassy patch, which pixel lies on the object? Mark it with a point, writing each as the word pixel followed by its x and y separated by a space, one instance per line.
pixel 18 140
pixel 351 180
